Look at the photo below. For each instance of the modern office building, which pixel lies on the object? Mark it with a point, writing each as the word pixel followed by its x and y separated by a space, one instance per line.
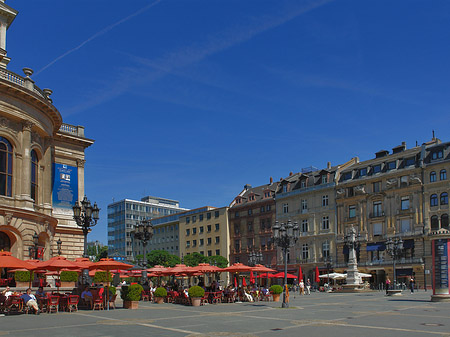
pixel 165 236
pixel 41 165
pixel 123 215
pixel 251 217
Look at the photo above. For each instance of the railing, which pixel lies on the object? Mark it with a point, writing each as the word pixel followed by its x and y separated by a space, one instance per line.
pixel 412 260
pixel 72 130
pixel 19 80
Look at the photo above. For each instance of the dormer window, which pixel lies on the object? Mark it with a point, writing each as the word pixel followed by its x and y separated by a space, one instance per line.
pixel 363 172
pixel 303 184
pixel 437 154
pixel 251 197
pixel 376 168
pixel 324 179
pixel 410 161
pixel 391 165
pixel 238 200
pixel 347 176
pixel 285 188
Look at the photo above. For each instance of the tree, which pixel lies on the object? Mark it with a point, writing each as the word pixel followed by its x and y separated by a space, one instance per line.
pixel 194 259
pixel 218 261
pixel 162 258
pixel 97 252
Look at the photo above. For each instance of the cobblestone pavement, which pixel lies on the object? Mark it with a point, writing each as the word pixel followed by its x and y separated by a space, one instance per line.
pixel 320 314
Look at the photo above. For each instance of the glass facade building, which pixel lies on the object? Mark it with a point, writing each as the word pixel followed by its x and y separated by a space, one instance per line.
pixel 123 215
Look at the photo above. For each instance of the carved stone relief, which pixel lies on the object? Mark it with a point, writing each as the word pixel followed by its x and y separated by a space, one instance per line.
pixel 340 192
pixel 415 179
pixel 391 183
pixel 360 189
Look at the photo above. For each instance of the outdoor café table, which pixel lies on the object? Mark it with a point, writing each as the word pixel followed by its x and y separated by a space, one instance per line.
pixel 63 299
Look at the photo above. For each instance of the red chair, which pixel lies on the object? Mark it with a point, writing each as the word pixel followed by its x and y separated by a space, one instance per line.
pixel 13 304
pixel 97 303
pixel 145 296
pixel 72 303
pixel 112 301
pixel 53 304
pixel 205 299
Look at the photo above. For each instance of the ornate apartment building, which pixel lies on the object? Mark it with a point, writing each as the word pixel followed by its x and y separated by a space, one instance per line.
pixel 251 217
pixel 308 198
pixel 41 165
pixel 402 194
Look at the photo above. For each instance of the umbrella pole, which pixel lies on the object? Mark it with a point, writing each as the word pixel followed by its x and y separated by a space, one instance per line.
pixel 107 290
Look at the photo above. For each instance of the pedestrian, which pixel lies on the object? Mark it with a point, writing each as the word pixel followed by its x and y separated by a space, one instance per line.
pixel 411 284
pixel 388 283
pixel 308 287
pixel 302 287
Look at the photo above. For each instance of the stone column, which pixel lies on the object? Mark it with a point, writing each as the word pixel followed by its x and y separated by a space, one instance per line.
pixel 80 164
pixel 26 165
pixel 47 176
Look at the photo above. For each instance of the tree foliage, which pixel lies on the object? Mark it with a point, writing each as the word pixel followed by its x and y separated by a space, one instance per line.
pixel 194 259
pixel 218 261
pixel 97 252
pixel 162 258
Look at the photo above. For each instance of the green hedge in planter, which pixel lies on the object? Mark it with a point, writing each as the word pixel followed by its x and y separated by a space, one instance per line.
pixel 69 276
pixel 112 290
pixel 196 291
pixel 160 292
pixel 276 289
pixel 23 276
pixel 100 277
pixel 131 293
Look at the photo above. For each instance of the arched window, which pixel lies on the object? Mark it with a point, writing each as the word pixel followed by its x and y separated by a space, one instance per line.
pixel 444 221
pixel 444 198
pixel 6 162
pixel 34 176
pixel 434 223
pixel 5 243
pixel 443 175
pixel 433 200
pixel 432 177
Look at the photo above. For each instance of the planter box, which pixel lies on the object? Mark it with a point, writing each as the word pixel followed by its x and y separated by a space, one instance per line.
pixel 67 284
pixel 20 284
pixel 131 304
pixel 159 300
pixel 276 297
pixel 196 301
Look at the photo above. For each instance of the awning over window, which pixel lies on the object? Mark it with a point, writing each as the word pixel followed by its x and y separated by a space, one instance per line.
pixel 375 246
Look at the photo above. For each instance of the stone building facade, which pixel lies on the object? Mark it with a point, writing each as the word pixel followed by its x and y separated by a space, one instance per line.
pixel 41 165
pixel 389 197
pixel 251 217
pixel 308 198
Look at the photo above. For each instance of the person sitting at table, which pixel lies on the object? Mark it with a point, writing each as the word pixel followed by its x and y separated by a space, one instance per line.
pixel 7 292
pixel 86 295
pixel 30 301
pixel 40 293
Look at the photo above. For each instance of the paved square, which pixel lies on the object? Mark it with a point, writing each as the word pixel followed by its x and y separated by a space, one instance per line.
pixel 321 314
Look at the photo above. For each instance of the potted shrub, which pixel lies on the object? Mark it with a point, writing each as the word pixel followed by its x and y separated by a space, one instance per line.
pixel 160 294
pixel 131 296
pixel 68 278
pixel 195 294
pixel 100 277
pixel 276 290
pixel 23 278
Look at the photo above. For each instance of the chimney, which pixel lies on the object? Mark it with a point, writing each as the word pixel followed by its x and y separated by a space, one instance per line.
pixel 271 180
pixel 247 187
pixel 290 173
pixel 328 165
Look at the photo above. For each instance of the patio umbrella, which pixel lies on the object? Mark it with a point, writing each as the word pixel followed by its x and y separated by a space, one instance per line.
pixel 334 276
pixel 300 274
pixel 237 268
pixel 259 268
pixel 281 275
pixel 9 261
pixel 252 278
pixel 244 284
pixel 317 279
pixel 58 263
pixel 235 282
pixel 107 265
pixel 265 275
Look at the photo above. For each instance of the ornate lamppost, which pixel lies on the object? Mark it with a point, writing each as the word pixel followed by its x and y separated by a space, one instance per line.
pixel 285 236
pixel 328 262
pixel 143 232
pixel 86 216
pixel 395 249
pixel 35 249
pixel 59 245
pixel 254 258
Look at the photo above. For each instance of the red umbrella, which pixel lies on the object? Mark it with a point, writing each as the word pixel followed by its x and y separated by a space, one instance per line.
pixel 83 262
pixel 9 261
pixel 281 275
pixel 252 278
pixel 237 268
pixel 300 274
pixel 244 284
pixel 206 268
pixel 58 263
pixel 261 269
pixel 158 270
pixel 109 264
pixel 235 283
pixel 317 279
pixel 265 275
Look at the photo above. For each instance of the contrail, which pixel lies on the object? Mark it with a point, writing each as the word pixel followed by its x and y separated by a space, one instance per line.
pixel 96 35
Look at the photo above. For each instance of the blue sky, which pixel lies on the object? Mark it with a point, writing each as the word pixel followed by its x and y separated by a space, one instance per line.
pixel 192 99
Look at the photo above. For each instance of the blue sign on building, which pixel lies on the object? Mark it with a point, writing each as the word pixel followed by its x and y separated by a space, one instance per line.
pixel 65 186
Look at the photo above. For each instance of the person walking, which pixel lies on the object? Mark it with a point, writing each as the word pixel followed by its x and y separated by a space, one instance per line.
pixel 411 284
pixel 302 287
pixel 308 287
pixel 388 284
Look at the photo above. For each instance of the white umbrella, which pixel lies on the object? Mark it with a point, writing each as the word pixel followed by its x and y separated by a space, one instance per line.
pixel 333 276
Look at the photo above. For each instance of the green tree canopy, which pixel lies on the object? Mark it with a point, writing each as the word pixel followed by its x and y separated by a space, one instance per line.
pixel 162 258
pixel 218 261
pixel 97 252
pixel 194 259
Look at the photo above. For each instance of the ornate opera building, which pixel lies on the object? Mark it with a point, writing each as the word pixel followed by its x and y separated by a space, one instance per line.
pixel 41 166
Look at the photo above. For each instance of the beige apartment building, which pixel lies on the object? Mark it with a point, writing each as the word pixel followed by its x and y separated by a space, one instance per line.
pixel 389 197
pixel 308 199
pixel 41 165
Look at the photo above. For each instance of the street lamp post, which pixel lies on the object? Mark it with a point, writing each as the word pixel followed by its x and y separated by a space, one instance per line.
pixel 395 249
pixel 143 232
pixel 328 262
pixel 34 249
pixel 254 258
pixel 85 216
pixel 285 236
pixel 59 245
